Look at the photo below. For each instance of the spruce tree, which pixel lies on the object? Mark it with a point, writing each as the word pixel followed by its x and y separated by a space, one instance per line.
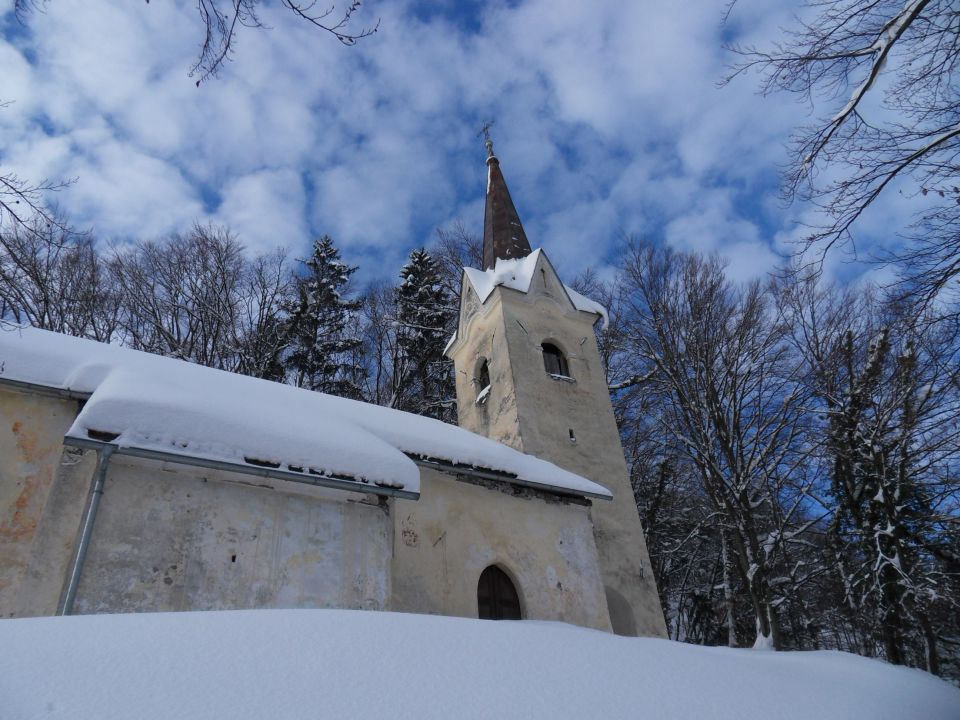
pixel 321 327
pixel 422 376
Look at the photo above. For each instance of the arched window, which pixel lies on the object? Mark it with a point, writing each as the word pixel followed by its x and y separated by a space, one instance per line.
pixel 483 382
pixel 483 376
pixel 554 361
pixel 497 598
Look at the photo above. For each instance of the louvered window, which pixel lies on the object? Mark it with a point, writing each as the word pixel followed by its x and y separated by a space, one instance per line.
pixel 554 361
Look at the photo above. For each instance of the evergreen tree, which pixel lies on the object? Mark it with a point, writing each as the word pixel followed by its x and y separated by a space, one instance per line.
pixel 422 376
pixel 322 327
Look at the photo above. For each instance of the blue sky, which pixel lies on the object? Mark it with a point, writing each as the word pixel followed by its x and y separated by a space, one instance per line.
pixel 608 120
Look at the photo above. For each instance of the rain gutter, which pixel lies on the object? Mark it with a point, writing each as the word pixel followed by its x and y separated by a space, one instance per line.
pixel 265 472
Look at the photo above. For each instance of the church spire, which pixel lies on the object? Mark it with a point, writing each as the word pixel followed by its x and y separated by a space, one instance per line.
pixel 503 235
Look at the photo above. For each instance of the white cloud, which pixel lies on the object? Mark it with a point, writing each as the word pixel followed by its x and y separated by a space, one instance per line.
pixel 607 120
pixel 266 209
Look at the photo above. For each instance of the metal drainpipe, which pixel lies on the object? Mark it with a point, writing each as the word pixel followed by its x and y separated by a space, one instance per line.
pixel 89 518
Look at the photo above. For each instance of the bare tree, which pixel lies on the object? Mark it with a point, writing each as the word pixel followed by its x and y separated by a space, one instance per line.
pixel 717 356
pixel 182 296
pixel 454 249
pixel 379 311
pixel 23 205
pixel 54 279
pixel 886 71
pixel 223 19
pixel 261 338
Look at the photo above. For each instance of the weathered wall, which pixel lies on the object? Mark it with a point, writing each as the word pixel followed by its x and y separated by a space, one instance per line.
pixel 481 337
pixel 536 413
pixel 42 493
pixel 172 537
pixel 457 529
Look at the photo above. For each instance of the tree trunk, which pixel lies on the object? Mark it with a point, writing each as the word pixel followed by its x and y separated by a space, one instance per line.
pixel 732 639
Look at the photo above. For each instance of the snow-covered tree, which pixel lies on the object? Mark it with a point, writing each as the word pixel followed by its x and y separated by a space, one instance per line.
pixel 422 376
pixel 887 388
pixel 716 357
pixel 321 328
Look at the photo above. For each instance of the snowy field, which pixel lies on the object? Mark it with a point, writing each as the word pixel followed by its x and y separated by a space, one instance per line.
pixel 285 664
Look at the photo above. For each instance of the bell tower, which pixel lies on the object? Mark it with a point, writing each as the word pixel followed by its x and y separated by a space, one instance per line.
pixel 529 375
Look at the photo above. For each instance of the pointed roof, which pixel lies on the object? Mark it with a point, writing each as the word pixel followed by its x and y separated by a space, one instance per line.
pixel 503 235
pixel 518 275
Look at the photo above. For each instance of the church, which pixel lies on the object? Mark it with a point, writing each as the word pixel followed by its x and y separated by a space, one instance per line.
pixel 137 483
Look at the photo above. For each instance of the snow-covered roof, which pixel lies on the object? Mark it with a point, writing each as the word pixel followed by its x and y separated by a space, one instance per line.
pixel 176 407
pixel 517 275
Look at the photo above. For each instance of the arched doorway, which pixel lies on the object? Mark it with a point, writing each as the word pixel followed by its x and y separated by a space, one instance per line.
pixel 621 614
pixel 497 598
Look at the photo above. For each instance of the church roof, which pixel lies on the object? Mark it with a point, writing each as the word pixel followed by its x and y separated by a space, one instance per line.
pixel 503 235
pixel 164 405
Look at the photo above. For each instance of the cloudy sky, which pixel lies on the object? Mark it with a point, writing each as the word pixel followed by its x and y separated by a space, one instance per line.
pixel 608 120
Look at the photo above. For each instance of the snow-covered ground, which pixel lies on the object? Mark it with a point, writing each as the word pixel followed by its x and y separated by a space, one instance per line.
pixel 284 664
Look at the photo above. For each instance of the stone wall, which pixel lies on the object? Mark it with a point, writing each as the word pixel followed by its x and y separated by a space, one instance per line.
pixel 174 537
pixel 42 493
pixel 444 541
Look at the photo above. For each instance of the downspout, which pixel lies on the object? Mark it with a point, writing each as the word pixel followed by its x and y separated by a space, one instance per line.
pixel 89 518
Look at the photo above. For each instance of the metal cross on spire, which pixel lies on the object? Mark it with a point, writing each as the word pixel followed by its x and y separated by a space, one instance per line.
pixel 485 131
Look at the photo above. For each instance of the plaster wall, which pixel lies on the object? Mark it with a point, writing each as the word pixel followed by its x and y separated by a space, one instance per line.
pixel 482 338
pixel 537 413
pixel 42 493
pixel 174 537
pixel 444 541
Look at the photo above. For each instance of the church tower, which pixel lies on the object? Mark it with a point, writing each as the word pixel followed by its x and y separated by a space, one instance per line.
pixel 529 375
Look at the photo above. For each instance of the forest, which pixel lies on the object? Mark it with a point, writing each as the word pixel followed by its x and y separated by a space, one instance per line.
pixel 794 446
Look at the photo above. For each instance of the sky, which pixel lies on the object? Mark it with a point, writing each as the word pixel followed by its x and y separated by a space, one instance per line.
pixel 608 122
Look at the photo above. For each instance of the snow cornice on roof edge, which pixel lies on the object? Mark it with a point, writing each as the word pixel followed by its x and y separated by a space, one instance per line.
pixel 156 405
pixel 518 275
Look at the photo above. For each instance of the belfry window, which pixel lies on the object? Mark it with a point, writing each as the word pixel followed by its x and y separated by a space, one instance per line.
pixel 497 598
pixel 554 361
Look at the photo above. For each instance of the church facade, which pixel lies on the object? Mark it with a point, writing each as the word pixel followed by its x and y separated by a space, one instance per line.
pixel 135 483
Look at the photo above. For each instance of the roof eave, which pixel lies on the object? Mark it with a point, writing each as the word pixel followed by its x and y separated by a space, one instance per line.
pixel 489 474
pixel 265 472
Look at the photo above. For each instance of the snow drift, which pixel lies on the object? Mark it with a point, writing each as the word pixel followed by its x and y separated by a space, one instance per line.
pixel 351 664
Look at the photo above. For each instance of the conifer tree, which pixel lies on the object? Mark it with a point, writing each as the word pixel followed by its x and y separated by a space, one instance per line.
pixel 321 327
pixel 422 376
